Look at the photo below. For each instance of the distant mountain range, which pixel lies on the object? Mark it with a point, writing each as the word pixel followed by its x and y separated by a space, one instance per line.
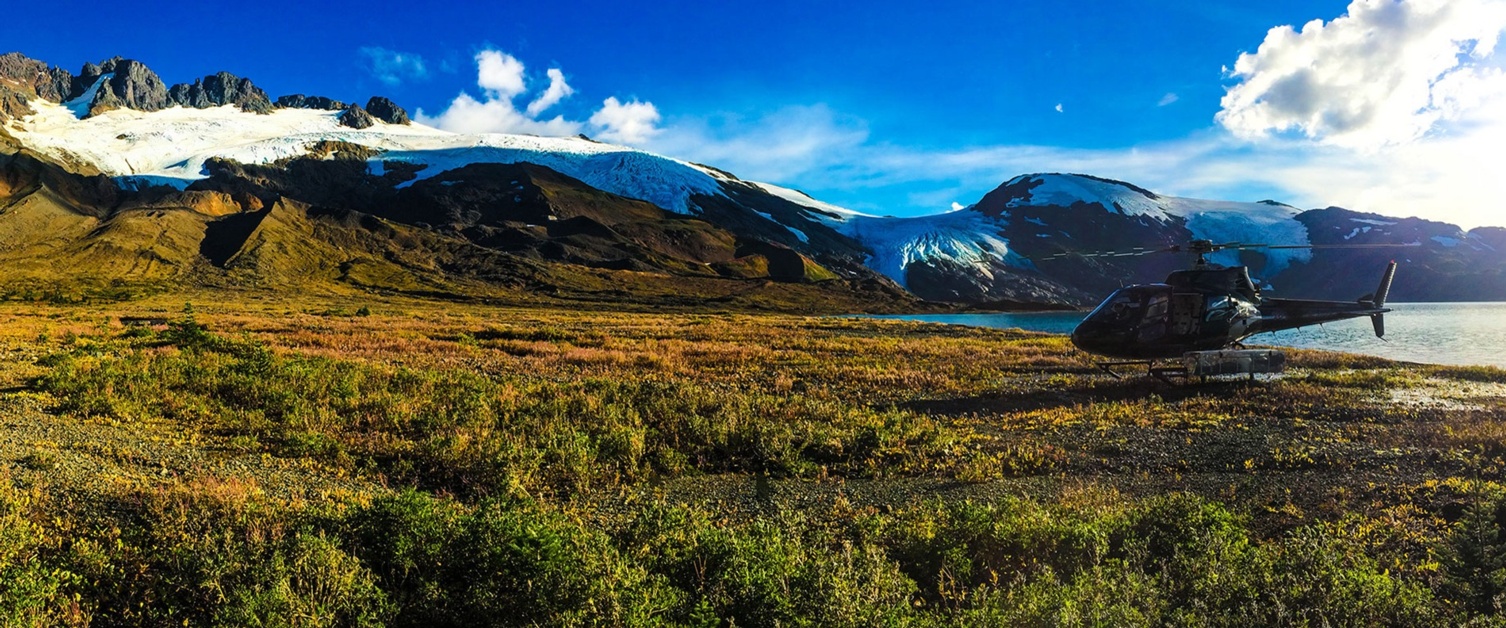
pixel 111 177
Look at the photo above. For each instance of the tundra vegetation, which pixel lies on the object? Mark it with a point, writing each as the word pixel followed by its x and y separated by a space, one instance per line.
pixel 378 461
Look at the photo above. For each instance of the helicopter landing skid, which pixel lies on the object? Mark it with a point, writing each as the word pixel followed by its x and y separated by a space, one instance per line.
pixel 1163 373
pixel 1209 364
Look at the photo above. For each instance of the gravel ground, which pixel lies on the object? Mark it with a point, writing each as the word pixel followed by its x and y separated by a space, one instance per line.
pixel 89 459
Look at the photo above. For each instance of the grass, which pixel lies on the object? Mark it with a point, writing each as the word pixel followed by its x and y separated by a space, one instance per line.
pixel 395 462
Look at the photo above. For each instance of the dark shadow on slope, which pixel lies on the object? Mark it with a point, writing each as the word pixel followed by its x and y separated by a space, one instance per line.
pixel 224 238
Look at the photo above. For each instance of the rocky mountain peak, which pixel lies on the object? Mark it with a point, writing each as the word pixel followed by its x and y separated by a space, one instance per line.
pixel 33 78
pixel 387 111
pixel 299 101
pixel 23 78
pixel 220 89
pixel 356 118
pixel 132 85
pixel 1072 190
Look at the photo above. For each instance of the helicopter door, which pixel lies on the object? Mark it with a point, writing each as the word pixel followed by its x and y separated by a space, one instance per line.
pixel 1153 324
pixel 1186 310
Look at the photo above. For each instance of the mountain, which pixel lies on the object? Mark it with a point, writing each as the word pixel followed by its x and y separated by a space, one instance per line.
pixel 102 180
pixel 1016 244
pixel 110 177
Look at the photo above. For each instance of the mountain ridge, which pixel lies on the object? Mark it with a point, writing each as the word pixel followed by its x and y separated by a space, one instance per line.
pixel 386 190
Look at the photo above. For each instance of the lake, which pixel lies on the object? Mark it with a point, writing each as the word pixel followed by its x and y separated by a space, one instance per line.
pixel 1435 333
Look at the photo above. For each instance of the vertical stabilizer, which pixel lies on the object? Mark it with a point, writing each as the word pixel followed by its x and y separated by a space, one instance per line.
pixel 1385 286
pixel 1379 300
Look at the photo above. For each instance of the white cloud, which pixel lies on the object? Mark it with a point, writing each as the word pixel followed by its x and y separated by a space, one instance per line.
pixel 500 74
pixel 958 206
pixel 626 123
pixel 558 90
pixel 1388 72
pixel 503 78
pixel 1059 108
pixel 1436 160
pixel 833 157
pixel 799 144
pixel 494 115
pixel 1167 99
pixel 392 67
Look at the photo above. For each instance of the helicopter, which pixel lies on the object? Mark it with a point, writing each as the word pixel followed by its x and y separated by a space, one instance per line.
pixel 1203 314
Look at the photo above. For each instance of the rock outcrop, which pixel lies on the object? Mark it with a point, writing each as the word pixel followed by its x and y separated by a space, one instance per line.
pixel 299 101
pixel 33 79
pixel 221 89
pixel 387 111
pixel 13 105
pixel 356 118
pixel 131 85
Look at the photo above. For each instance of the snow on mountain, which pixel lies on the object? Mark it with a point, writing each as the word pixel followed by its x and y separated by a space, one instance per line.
pixel 825 212
pixel 994 241
pixel 170 147
pixel 967 239
pixel 1254 223
pixel 1064 190
pixel 79 107
pixel 1219 221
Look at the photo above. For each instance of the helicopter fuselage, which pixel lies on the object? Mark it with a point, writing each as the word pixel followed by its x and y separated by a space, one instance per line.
pixel 1203 310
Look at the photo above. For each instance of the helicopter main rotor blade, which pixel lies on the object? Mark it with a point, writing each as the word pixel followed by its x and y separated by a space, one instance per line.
pixel 1325 246
pixel 1203 247
pixel 1135 252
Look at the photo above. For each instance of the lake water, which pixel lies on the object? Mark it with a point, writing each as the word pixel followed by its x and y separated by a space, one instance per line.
pixel 1435 333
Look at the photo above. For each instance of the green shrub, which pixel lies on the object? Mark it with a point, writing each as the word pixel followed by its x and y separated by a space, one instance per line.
pixel 789 571
pixel 502 563
pixel 34 591
pixel 217 555
pixel 477 434
pixel 1474 557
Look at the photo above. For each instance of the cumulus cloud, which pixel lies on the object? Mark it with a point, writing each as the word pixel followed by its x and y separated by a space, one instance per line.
pixel 1388 72
pixel 1059 108
pixel 1312 96
pixel 800 145
pixel 392 67
pixel 500 74
pixel 494 115
pixel 833 157
pixel 626 123
pixel 558 90
pixel 503 79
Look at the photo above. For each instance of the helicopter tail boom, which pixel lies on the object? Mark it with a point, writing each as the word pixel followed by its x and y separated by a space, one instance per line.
pixel 1279 314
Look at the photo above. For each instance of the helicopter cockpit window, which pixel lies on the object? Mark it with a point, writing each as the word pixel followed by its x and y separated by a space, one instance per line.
pixel 1153 323
pixel 1133 306
pixel 1121 306
pixel 1156 306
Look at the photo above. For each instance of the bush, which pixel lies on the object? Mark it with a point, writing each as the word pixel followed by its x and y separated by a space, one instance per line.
pixel 33 590
pixel 475 434
pixel 215 554
pixel 1474 557
pixel 501 563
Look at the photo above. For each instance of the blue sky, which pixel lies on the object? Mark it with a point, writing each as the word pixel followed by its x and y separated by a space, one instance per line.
pixel 899 107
